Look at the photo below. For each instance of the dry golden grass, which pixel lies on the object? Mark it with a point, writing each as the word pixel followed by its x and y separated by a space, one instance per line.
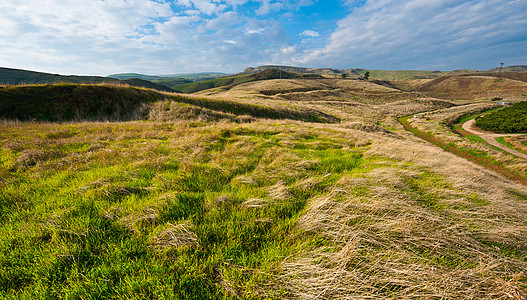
pixel 474 87
pixel 518 142
pixel 411 221
pixel 388 242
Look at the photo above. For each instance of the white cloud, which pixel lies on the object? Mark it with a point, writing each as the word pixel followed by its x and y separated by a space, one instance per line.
pixel 419 33
pixel 268 6
pixel 288 50
pixel 156 36
pixel 255 31
pixel 310 33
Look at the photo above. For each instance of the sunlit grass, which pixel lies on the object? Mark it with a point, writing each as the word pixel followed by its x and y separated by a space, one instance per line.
pixel 156 210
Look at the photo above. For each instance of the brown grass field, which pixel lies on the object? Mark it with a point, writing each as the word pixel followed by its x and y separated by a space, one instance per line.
pixel 357 208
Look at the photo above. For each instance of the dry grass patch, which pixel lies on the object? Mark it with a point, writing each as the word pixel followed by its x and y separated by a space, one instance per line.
pixel 397 232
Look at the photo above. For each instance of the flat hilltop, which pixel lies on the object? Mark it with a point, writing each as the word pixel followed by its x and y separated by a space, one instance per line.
pixel 258 187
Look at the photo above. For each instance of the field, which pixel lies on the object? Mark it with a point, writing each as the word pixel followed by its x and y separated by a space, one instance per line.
pixel 297 188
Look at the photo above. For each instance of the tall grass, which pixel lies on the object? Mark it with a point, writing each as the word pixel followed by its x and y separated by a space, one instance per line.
pixel 157 210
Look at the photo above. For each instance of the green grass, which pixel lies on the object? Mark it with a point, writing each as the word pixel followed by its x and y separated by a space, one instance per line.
pixel 475 138
pixel 502 141
pixel 480 157
pixel 98 211
pixel 66 102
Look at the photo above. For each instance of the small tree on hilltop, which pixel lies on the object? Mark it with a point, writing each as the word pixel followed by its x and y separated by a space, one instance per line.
pixel 365 76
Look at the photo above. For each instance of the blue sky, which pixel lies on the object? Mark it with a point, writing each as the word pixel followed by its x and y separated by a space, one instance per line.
pixel 101 37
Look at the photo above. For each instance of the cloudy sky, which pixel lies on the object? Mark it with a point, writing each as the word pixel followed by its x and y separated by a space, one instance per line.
pixel 101 37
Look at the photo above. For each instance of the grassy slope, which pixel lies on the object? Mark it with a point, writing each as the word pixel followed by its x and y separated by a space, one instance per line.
pixel 270 209
pixel 475 155
pixel 67 102
pixel 473 87
pixel 135 210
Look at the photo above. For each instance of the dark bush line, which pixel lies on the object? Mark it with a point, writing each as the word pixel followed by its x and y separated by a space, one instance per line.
pixel 511 119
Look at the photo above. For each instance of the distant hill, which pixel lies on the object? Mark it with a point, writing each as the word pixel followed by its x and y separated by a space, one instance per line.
pixel 136 82
pixel 520 68
pixel 484 85
pixel 16 77
pixel 232 80
pixel 352 73
pixel 124 76
pixel 189 76
pixel 329 72
pixel 171 80
pixel 377 74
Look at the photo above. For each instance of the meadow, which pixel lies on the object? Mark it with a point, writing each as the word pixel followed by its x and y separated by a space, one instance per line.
pixel 251 194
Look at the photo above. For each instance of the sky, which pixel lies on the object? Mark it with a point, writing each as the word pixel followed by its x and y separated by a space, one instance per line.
pixel 102 37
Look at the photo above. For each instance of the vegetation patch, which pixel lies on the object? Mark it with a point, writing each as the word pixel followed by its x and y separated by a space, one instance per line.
pixel 509 119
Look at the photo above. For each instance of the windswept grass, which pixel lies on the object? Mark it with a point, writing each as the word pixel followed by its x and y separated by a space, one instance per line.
pixel 158 210
pixel 190 205
pixel 262 210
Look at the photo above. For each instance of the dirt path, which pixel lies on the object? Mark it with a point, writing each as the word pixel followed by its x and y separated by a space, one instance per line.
pixel 490 137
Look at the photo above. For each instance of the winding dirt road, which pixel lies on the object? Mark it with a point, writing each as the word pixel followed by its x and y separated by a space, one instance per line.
pixel 490 137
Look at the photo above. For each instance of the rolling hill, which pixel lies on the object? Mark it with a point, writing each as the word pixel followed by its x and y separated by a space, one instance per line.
pixel 474 87
pixel 297 188
pixel 190 76
pixel 170 81
pixel 379 74
pixel 79 102
pixel 229 81
pixel 17 77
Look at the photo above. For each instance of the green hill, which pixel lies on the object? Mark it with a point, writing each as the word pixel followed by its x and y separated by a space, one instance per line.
pixel 79 102
pixel 67 102
pixel 16 77
pixel 172 82
pixel 136 82
pixel 229 81
pixel 189 76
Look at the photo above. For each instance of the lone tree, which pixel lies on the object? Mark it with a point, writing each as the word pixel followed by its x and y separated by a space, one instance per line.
pixel 344 75
pixel 365 76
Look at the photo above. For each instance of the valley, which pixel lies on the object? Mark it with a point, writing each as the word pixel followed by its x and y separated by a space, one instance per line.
pixel 269 184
